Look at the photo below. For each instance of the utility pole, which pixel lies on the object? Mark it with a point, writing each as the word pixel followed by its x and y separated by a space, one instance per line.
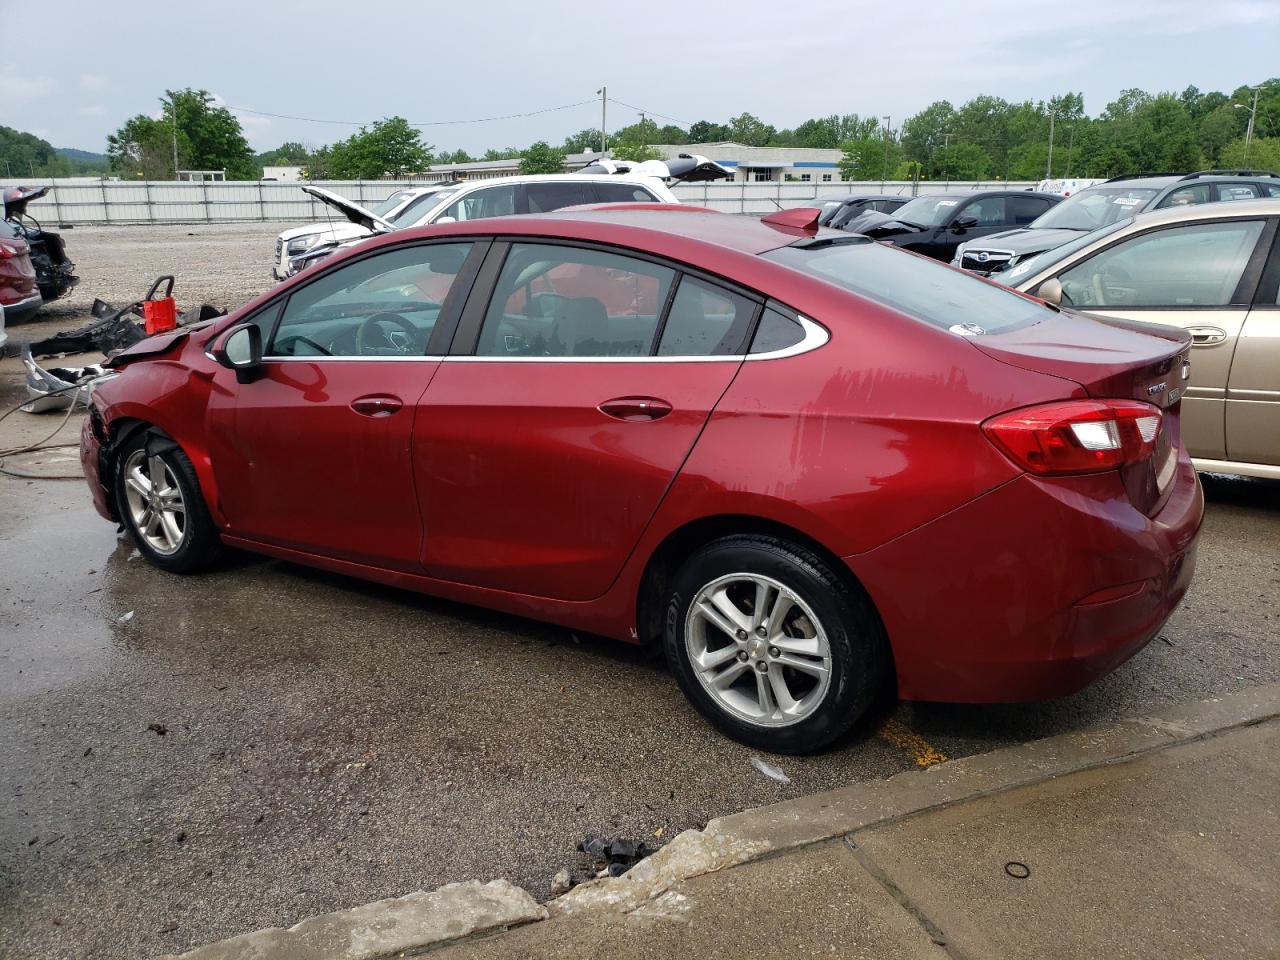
pixel 1071 139
pixel 604 114
pixel 1253 115
pixel 1048 167
pixel 884 167
pixel 173 102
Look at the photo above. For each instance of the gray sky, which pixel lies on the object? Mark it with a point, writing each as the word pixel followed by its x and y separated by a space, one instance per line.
pixel 91 65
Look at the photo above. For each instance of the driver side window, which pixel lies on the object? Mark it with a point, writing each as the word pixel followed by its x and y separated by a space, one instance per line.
pixel 383 305
pixel 1198 265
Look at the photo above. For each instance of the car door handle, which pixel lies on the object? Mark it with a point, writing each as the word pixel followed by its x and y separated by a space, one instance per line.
pixel 635 408
pixel 1207 335
pixel 378 405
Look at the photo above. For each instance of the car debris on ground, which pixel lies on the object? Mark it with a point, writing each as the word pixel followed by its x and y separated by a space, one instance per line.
pixel 54 271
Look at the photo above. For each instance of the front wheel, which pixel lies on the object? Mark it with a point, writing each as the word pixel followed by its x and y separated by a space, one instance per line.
pixel 771 645
pixel 158 497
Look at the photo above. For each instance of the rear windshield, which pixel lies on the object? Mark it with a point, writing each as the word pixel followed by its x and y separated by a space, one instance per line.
pixel 389 204
pixel 920 288
pixel 419 208
pixel 1094 208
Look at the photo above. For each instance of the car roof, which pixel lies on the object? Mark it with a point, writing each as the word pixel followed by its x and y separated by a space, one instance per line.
pixel 853 197
pixel 1268 206
pixel 744 234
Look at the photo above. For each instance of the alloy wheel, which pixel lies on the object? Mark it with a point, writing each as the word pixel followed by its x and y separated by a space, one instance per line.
pixel 156 506
pixel 758 649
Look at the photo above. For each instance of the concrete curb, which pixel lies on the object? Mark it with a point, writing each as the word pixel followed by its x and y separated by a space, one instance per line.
pixel 424 920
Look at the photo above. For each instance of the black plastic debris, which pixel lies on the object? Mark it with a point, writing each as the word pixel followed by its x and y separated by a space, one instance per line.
pixel 615 854
pixel 114 329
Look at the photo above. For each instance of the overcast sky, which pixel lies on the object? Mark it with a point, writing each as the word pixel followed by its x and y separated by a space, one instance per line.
pixel 91 65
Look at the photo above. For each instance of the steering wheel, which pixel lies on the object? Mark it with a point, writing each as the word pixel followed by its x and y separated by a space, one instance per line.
pixel 370 324
pixel 286 346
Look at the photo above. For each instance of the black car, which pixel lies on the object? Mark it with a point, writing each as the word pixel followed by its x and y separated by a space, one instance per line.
pixel 1104 204
pixel 937 223
pixel 837 211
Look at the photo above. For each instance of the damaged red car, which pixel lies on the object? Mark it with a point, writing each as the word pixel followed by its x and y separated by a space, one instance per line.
pixel 806 464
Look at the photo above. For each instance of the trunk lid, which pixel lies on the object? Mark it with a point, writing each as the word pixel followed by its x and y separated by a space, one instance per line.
pixel 1111 359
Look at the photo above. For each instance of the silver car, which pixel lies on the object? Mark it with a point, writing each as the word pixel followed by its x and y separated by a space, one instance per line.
pixel 1212 269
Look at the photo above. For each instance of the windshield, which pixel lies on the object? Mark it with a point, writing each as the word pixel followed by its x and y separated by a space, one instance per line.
pixel 419 208
pixel 920 288
pixel 389 204
pixel 1094 208
pixel 926 211
pixel 1042 261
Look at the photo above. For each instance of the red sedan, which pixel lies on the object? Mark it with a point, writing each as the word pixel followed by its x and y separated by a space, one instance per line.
pixel 804 462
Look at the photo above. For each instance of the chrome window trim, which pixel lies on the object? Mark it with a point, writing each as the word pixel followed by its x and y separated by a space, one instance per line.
pixel 321 358
pixel 815 336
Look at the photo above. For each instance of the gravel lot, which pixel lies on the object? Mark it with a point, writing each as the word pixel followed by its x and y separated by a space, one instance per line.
pixel 224 264
pixel 325 742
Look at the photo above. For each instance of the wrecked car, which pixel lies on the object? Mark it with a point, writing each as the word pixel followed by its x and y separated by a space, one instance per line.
pixel 55 273
pixel 19 292
pixel 603 181
pixel 297 241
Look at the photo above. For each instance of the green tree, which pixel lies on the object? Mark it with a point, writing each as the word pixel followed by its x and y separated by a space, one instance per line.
pixel 389 147
pixel 870 158
pixel 506 153
pixel 25 154
pixel 584 141
pixel 927 131
pixel 750 130
pixel 633 142
pixel 541 157
pixel 208 137
pixel 706 132
pixel 290 154
pixel 1264 154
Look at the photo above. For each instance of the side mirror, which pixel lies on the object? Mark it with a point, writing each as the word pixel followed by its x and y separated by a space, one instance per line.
pixel 961 224
pixel 240 349
pixel 1051 291
pixel 446 220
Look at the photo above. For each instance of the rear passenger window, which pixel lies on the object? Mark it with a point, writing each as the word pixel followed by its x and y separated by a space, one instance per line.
pixel 776 332
pixel 989 211
pixel 705 321
pixel 623 193
pixel 554 194
pixel 1025 209
pixel 1186 196
pixel 553 301
pixel 1240 191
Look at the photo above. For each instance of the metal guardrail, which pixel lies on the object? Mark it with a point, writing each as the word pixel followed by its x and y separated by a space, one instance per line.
pixel 81 201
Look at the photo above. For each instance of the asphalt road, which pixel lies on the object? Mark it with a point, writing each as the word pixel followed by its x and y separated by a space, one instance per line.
pixel 184 759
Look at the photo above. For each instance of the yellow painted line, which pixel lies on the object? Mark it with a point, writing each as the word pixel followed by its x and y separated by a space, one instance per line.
pixel 901 736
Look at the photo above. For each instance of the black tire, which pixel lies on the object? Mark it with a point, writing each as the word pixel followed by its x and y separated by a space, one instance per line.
pixel 857 646
pixel 200 546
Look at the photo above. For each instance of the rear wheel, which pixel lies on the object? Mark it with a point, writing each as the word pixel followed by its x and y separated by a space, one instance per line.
pixel 771 645
pixel 159 499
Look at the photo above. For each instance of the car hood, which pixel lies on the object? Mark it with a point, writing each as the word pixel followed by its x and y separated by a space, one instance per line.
pixel 351 210
pixel 17 198
pixel 1023 241
pixel 337 230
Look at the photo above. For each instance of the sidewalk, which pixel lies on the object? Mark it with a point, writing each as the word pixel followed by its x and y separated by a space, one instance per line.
pixel 1150 838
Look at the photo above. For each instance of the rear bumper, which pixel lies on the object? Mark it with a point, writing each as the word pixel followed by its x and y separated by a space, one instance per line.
pixel 23 310
pixel 1034 590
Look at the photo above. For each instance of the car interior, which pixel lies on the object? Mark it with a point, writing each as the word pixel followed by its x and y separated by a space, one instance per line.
pixel 386 305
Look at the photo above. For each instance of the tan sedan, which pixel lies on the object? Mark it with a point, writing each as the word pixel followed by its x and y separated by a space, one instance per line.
pixel 1214 270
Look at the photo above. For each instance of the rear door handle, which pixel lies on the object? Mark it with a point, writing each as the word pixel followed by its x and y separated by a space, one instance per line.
pixel 1207 335
pixel 635 408
pixel 377 405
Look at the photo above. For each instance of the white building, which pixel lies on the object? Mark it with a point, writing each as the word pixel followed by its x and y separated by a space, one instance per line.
pixel 765 164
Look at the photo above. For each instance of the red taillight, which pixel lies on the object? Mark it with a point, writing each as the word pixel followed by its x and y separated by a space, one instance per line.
pixel 8 250
pixel 1077 436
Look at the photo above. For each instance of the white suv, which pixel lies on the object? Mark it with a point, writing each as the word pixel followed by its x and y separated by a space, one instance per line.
pixel 605 181
pixel 296 241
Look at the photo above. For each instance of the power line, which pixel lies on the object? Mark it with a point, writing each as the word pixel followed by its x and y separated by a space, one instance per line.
pixel 424 123
pixel 683 123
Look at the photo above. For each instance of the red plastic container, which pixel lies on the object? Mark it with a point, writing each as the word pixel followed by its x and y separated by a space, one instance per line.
pixel 160 314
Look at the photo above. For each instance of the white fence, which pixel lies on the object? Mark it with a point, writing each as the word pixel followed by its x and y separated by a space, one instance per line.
pixel 118 202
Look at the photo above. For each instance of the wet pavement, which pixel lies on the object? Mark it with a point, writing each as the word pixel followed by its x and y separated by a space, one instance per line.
pixel 268 742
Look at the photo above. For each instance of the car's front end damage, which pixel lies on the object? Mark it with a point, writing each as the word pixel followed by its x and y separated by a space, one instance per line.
pixel 55 273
